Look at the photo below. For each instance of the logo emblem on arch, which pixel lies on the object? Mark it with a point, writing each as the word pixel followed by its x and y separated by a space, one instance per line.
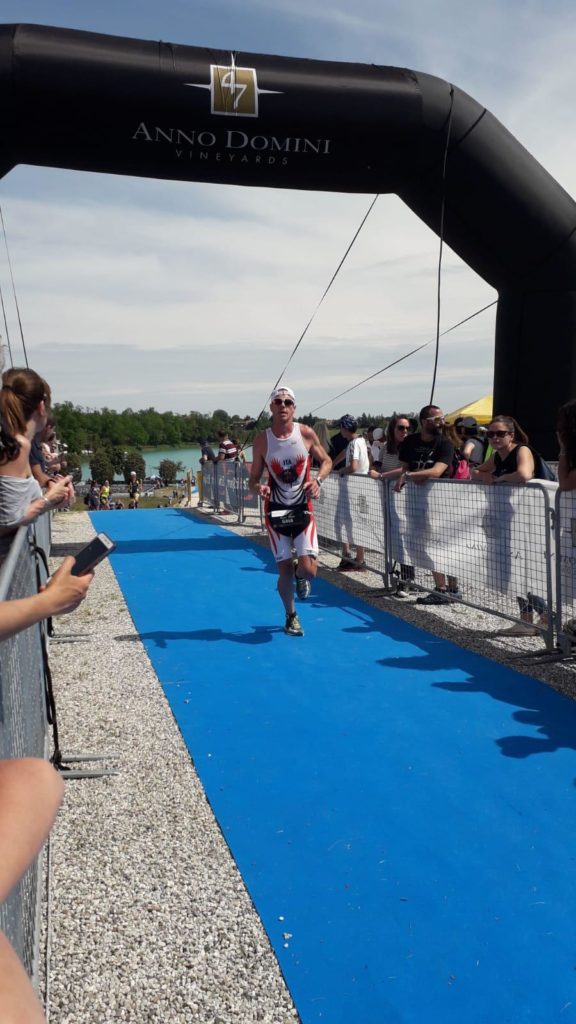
pixel 234 91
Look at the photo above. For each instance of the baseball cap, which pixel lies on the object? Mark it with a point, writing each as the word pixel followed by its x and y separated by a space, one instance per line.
pixel 377 433
pixel 348 423
pixel 283 391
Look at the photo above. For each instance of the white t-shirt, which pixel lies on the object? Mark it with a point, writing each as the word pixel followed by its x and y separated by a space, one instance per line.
pixel 358 450
pixel 375 450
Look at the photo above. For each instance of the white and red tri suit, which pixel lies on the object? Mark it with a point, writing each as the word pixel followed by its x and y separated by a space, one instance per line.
pixel 288 462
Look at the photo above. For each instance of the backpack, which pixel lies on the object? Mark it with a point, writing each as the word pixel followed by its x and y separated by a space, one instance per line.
pixel 460 468
pixel 542 471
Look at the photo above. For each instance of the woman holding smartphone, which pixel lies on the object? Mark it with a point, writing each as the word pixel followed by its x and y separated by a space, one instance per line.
pixel 24 409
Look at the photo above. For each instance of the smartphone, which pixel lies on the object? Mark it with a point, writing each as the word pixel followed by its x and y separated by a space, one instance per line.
pixel 92 554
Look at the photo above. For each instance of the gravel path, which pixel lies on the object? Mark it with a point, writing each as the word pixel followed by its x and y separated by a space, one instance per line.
pixel 150 919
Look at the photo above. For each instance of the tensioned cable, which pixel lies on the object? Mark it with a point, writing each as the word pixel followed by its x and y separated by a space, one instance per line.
pixel 442 212
pixel 13 287
pixel 327 289
pixel 7 332
pixel 411 353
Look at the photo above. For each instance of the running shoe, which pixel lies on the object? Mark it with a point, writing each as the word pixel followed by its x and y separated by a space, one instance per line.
pixel 292 626
pixel 345 565
pixel 303 588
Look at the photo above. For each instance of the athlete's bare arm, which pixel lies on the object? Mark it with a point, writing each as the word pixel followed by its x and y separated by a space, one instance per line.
pixel 317 452
pixel 258 467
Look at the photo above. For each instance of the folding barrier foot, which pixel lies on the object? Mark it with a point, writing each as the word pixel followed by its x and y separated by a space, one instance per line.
pixel 62 763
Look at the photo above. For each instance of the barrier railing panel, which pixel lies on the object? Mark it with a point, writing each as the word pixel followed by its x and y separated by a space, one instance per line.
pixel 351 510
pixel 565 531
pixel 496 541
pixel 22 733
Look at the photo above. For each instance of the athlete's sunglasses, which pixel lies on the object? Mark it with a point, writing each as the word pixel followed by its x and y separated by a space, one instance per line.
pixel 497 433
pixel 282 401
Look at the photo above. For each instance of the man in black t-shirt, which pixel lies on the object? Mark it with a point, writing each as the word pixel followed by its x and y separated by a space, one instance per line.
pixel 207 453
pixel 428 456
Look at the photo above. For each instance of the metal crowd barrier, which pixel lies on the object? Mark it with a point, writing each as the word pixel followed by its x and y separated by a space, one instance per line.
pixel 23 731
pixel 565 531
pixel 495 545
pixel 225 488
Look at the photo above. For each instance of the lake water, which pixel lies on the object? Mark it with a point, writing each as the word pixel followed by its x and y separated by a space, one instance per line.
pixel 189 457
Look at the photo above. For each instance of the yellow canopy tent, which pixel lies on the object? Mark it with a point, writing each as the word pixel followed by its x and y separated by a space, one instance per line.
pixel 481 410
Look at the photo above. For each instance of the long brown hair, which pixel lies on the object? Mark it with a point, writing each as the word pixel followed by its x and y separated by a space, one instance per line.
pixel 391 446
pixel 21 393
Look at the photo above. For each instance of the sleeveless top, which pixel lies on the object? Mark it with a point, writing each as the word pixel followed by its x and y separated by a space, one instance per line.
pixel 509 464
pixel 16 494
pixel 288 463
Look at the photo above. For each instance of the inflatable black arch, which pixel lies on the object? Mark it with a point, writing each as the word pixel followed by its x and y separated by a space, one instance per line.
pixel 124 106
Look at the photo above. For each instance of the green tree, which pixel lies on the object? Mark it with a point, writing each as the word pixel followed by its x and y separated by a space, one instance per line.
pixel 134 461
pixel 116 456
pixel 168 471
pixel 74 467
pixel 101 468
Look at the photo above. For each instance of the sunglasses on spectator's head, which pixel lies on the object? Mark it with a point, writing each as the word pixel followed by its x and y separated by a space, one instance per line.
pixel 282 401
pixel 497 433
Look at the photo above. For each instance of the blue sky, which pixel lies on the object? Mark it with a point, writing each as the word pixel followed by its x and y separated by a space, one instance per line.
pixel 188 296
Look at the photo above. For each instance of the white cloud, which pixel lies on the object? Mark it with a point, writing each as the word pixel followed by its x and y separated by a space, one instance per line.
pixel 175 294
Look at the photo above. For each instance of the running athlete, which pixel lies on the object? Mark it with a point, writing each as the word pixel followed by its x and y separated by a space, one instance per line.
pixel 286 450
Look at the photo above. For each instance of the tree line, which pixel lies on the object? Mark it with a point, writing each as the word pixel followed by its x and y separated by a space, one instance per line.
pixel 93 429
pixel 90 429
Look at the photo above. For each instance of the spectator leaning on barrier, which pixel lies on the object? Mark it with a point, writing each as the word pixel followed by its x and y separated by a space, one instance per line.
pixel 566 426
pixel 24 405
pixel 227 451
pixel 357 464
pixel 427 456
pixel 389 467
pixel 512 462
pixel 207 452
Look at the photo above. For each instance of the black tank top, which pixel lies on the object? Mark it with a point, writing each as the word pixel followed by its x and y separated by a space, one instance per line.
pixel 507 465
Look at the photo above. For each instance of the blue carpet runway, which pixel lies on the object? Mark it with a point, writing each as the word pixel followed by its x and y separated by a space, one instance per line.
pixel 401 810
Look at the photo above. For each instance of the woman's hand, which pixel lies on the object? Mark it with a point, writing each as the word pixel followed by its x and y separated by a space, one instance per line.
pixel 64 592
pixel 60 493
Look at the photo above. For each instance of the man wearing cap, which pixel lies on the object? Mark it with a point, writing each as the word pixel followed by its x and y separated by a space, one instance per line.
pixel 286 450
pixel 207 452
